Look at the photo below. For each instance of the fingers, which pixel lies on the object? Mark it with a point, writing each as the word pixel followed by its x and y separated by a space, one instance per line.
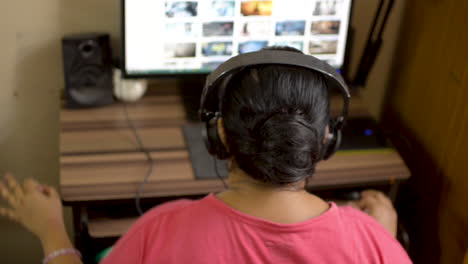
pixel 7 195
pixel 8 213
pixel 377 194
pixel 15 193
pixel 4 191
pixel 50 191
pixel 373 195
pixel 371 192
pixel 366 203
pixel 14 186
pixel 30 185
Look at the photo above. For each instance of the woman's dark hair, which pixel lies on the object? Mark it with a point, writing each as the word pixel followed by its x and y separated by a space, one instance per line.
pixel 274 119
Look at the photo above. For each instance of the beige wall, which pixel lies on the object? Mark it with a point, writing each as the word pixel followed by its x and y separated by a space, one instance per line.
pixel 31 80
pixel 28 108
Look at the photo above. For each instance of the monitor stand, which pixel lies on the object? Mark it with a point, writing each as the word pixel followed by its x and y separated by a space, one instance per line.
pixel 190 92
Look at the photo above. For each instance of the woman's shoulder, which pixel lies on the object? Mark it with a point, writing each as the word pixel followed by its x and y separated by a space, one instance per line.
pixel 361 220
pixel 168 209
pixel 363 226
pixel 173 212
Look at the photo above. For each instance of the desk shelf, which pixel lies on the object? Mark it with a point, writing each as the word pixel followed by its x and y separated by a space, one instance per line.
pixel 108 227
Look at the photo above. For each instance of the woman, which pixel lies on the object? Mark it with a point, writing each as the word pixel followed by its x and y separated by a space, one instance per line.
pixel 273 124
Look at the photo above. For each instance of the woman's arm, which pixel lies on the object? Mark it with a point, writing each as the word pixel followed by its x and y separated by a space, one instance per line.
pixel 377 205
pixel 38 208
pixel 380 207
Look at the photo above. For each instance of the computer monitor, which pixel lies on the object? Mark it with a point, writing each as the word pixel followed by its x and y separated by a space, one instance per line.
pixel 162 37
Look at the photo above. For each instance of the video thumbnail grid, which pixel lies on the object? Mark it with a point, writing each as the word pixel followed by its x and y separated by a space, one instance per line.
pixel 211 31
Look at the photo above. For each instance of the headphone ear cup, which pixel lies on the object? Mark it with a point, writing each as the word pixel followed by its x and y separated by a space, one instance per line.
pixel 213 142
pixel 333 143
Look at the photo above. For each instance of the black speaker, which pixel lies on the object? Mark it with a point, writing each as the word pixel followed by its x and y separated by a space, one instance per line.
pixel 87 63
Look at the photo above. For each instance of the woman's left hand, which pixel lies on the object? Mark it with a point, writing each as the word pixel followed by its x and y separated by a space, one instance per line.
pixel 37 207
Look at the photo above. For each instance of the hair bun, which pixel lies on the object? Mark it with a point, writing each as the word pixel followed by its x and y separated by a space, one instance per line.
pixel 286 146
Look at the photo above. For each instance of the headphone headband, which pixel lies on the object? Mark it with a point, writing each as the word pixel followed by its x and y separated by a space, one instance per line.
pixel 271 57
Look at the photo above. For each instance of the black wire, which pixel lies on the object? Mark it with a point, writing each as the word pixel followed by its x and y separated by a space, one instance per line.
pixel 148 158
pixel 403 236
pixel 215 162
pixel 385 19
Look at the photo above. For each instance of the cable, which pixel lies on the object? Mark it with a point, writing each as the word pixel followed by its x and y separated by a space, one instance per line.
pixel 215 162
pixel 373 43
pixel 148 158
pixel 403 236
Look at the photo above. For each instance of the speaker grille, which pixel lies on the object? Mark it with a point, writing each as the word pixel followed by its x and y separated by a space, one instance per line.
pixel 88 70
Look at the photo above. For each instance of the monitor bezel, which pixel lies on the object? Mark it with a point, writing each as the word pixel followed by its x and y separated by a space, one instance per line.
pixel 127 75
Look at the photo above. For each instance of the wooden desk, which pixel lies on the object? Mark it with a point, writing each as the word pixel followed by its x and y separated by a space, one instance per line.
pixel 100 159
pixel 117 176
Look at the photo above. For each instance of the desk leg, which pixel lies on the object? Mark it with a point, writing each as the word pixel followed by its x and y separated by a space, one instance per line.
pixel 394 191
pixel 82 239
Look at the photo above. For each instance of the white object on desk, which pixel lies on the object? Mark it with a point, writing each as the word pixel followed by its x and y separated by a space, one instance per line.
pixel 128 90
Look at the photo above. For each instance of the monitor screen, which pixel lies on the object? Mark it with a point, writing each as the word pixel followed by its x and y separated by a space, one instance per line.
pixel 180 37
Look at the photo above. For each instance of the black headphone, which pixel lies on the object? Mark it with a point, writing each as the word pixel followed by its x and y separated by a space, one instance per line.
pixel 216 82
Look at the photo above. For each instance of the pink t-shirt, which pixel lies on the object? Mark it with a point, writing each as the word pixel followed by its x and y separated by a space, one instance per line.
pixel 209 231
